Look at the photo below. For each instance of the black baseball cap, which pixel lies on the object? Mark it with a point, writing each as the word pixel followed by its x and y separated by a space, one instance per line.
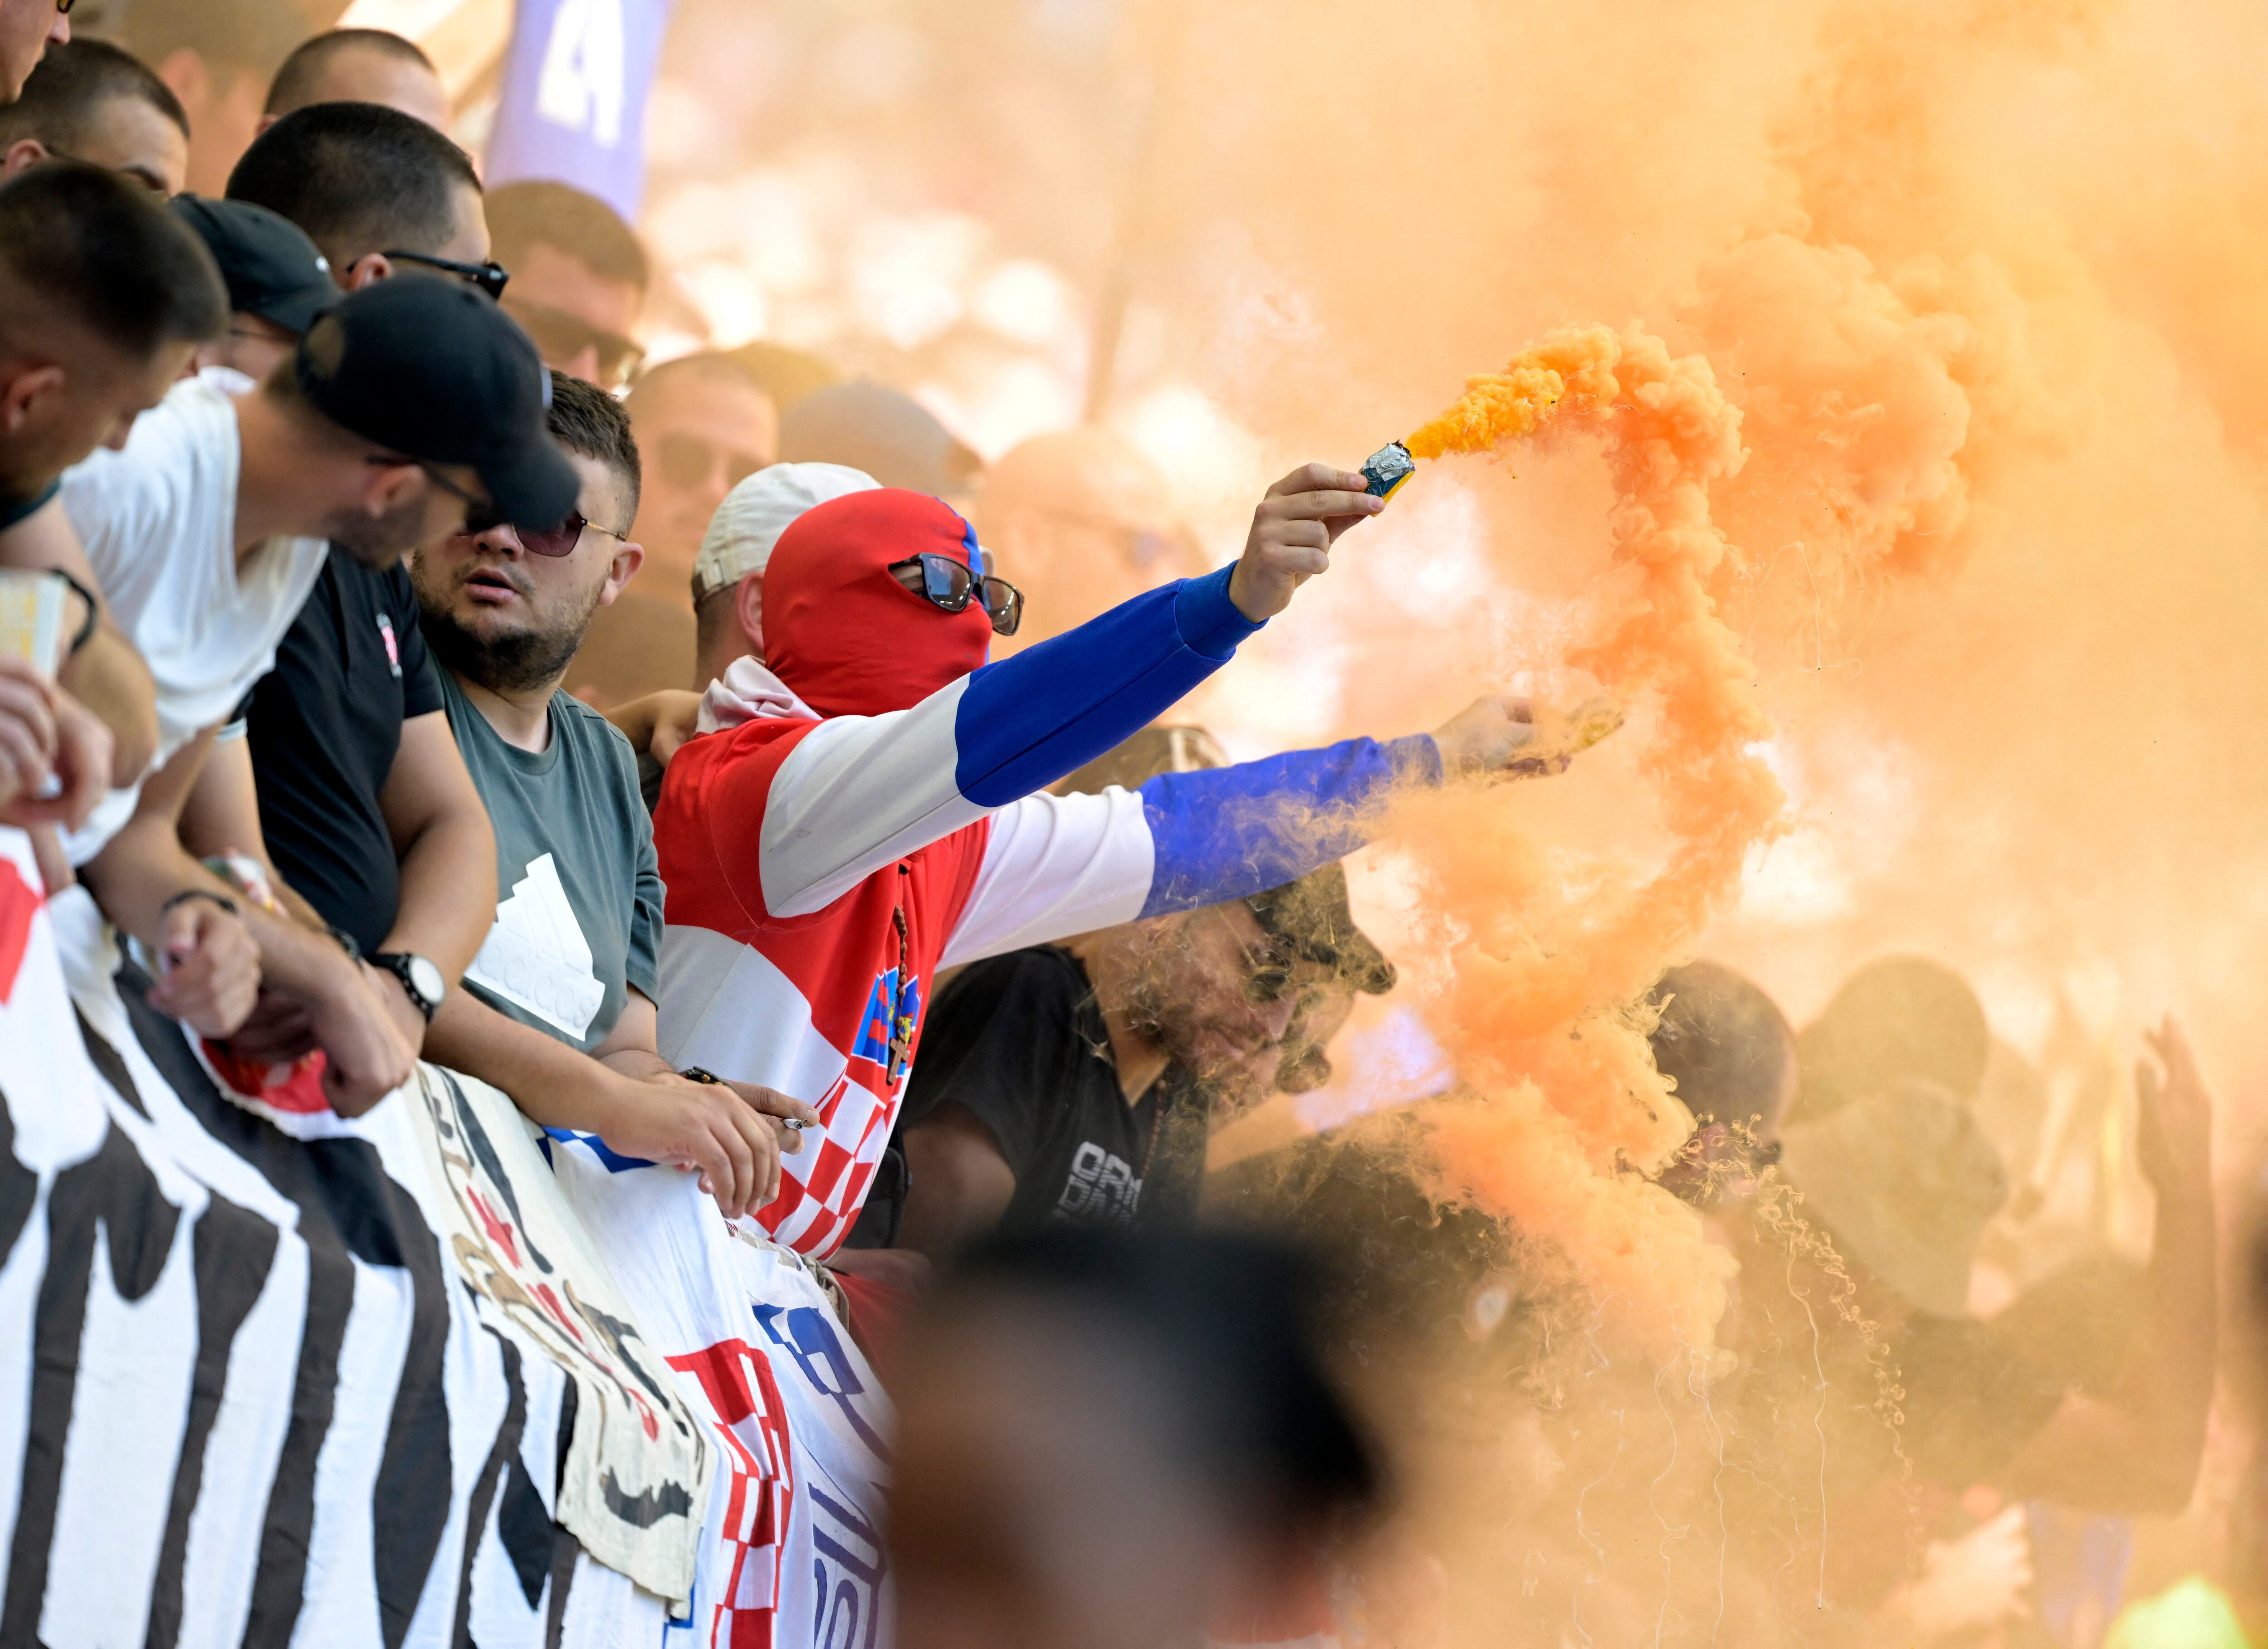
pixel 431 369
pixel 270 267
pixel 1310 918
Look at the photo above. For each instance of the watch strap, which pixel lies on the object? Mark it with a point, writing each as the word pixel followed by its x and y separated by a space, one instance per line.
pixel 400 964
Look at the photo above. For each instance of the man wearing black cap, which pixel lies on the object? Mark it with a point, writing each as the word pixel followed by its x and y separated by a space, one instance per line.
pixel 401 407
pixel 1077 1083
pixel 277 283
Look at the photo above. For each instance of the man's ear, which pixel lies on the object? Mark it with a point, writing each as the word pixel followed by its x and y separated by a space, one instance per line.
pixel 629 558
pixel 749 608
pixel 185 70
pixel 389 487
pixel 364 270
pixel 21 396
pixel 22 154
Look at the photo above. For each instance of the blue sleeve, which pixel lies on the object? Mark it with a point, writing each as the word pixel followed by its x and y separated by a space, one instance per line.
pixel 1224 832
pixel 1025 721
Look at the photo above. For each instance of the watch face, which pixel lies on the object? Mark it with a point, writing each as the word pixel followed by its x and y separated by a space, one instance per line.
pixel 427 978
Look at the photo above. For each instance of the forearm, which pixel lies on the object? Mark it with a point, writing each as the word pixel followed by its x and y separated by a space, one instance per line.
pixel 2137 1453
pixel 109 678
pixel 1224 833
pixel 554 1085
pixel 448 894
pixel 139 869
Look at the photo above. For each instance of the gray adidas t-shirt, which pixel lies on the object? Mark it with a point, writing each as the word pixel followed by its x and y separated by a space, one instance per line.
pixel 578 909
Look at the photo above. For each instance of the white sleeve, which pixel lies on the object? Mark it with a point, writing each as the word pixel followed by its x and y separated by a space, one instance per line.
pixel 1053 867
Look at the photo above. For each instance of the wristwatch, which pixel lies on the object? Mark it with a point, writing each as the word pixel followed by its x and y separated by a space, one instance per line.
pixel 419 977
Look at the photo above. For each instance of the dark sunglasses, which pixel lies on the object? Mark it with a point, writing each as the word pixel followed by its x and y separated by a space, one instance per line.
pixel 948 584
pixel 490 277
pixel 561 336
pixel 688 461
pixel 64 6
pixel 550 541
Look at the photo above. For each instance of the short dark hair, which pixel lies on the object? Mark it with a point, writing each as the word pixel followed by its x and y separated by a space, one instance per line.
pixel 304 67
pixel 61 98
pixel 583 226
pixel 587 420
pixel 249 36
pixel 106 253
pixel 359 178
pixel 1724 1043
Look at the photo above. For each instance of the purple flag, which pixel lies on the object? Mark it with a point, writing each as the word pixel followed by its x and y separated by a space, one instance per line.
pixel 572 107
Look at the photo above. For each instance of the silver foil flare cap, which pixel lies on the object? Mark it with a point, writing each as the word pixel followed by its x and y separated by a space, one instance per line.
pixel 1388 468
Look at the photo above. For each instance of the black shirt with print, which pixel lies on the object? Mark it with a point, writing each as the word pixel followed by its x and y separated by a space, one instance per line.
pixel 1018 1041
pixel 324 727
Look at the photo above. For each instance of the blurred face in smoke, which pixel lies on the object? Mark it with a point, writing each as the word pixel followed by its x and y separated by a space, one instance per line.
pixel 1210 989
pixel 512 619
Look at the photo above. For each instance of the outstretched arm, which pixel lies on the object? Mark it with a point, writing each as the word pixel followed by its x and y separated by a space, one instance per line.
pixel 1057 866
pixel 858 791
pixel 2138 1452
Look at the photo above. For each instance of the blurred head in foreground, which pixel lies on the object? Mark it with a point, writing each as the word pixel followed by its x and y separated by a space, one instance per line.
pixel 1104 1443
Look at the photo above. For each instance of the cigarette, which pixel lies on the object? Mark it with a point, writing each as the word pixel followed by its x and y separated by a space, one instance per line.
pixel 795 1124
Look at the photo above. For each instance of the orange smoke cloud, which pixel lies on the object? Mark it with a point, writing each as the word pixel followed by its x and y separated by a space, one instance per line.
pixel 1546 964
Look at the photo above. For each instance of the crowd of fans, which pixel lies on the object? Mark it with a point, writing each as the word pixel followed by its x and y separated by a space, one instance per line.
pixel 435 681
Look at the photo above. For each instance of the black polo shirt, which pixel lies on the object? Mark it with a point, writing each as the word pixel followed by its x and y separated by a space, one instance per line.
pixel 324 727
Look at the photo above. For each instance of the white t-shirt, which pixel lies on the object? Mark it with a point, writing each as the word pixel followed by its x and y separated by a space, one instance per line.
pixel 159 521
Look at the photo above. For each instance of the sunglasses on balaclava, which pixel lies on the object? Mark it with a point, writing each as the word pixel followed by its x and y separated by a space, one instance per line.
pixel 949 585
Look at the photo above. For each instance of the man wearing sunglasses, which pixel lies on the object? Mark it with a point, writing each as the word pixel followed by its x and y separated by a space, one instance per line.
pixel 403 406
pixel 379 192
pixel 557 1008
pixel 582 278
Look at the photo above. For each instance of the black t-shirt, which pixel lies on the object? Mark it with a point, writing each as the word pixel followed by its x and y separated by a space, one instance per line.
pixel 324 727
pixel 1019 1041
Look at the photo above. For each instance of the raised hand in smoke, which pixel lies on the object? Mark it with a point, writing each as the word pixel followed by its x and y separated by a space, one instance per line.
pixel 1501 735
pixel 2174 1133
pixel 1293 532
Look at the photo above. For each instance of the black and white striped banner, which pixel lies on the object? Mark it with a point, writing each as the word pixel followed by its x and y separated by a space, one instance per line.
pixel 343 1384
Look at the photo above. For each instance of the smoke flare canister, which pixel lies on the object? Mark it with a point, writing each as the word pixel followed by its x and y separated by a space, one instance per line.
pixel 1386 468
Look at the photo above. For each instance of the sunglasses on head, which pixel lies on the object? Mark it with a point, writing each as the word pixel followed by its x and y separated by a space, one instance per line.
pixel 490 277
pixel 560 336
pixel 949 585
pixel 550 541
